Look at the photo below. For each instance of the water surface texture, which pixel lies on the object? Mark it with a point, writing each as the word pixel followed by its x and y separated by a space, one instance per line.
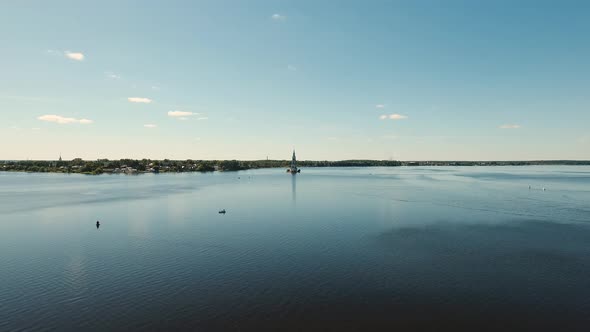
pixel 463 248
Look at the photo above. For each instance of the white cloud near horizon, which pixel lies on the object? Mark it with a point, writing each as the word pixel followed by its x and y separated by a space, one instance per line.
pixel 139 100
pixel 63 120
pixel 278 17
pixel 291 68
pixel 78 56
pixel 509 126
pixel 180 114
pixel 150 125
pixel 203 118
pixel 380 106
pixel 393 116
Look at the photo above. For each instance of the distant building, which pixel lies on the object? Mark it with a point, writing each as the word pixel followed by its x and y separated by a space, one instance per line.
pixel 293 169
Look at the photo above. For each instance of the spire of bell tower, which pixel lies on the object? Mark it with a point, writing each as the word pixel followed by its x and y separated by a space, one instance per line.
pixel 293 169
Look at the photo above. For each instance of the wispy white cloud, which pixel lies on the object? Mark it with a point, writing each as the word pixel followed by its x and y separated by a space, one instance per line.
pixel 156 88
pixel 63 120
pixel 112 75
pixel 139 100
pixel 78 56
pixel 380 106
pixel 150 125
pixel 393 116
pixel 180 114
pixel 397 117
pixel 203 118
pixel 35 128
pixel 278 17
pixel 291 68
pixel 509 126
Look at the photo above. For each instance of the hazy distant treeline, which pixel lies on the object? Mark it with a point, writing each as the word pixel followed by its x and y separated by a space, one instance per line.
pixel 162 166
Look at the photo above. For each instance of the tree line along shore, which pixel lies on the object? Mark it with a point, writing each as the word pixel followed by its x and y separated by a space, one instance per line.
pixel 131 166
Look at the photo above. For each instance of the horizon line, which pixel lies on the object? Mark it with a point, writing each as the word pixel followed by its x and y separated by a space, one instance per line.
pixel 400 160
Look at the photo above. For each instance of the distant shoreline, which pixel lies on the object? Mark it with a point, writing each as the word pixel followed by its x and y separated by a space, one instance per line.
pixel 134 166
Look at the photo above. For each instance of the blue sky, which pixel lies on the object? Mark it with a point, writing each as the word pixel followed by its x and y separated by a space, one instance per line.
pixel 408 80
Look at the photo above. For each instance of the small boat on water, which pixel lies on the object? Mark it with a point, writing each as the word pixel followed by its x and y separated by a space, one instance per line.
pixel 222 211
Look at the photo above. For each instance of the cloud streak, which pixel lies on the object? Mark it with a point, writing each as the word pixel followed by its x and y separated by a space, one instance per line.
pixel 380 106
pixel 140 100
pixel 74 55
pixel 112 75
pixel 393 116
pixel 63 120
pixel 278 17
pixel 509 126
pixel 150 125
pixel 180 114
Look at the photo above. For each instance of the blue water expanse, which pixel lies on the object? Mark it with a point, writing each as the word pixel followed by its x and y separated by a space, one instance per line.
pixel 343 249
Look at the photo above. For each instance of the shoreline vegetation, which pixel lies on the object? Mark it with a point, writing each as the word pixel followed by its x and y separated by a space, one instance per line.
pixel 134 166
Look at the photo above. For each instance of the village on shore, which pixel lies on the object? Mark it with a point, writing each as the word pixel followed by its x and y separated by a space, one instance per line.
pixel 138 166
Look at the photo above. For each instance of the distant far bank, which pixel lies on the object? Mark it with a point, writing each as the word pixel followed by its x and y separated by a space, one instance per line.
pixel 133 166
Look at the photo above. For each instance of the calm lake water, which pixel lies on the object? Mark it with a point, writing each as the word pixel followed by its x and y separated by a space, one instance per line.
pixel 420 248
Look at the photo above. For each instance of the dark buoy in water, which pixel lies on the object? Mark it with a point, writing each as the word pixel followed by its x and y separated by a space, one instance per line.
pixel 222 211
pixel 97 224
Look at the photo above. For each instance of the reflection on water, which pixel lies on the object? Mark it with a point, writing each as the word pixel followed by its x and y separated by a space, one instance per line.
pixel 339 249
pixel 294 188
